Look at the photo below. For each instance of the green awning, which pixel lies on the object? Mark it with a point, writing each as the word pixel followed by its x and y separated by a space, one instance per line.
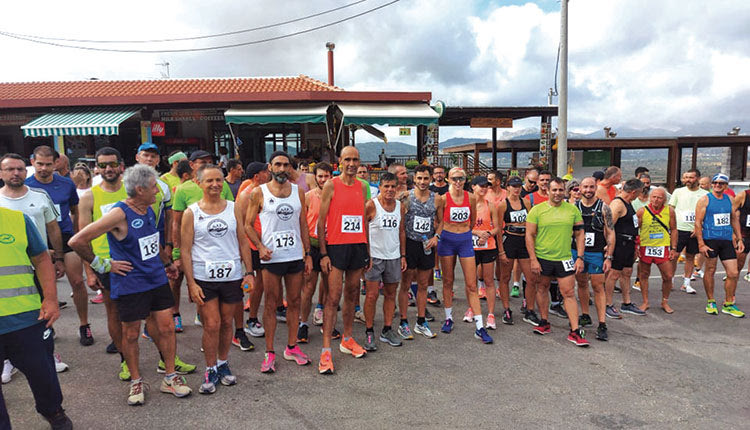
pixel 277 114
pixel 404 114
pixel 79 122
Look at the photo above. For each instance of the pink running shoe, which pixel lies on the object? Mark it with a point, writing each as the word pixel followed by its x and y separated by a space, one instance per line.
pixel 491 324
pixel 269 363
pixel 469 316
pixel 99 298
pixel 297 355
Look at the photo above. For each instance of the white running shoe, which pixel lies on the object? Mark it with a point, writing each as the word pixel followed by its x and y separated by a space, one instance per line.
pixel 686 288
pixel 318 316
pixel 197 320
pixel 255 329
pixel 8 371
pixel 60 367
pixel 747 277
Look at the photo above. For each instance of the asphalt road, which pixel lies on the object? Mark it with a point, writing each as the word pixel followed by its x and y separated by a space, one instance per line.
pixel 686 370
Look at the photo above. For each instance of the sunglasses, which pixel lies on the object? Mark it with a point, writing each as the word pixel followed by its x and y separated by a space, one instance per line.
pixel 108 164
pixel 531 182
pixel 484 185
pixel 458 178
pixel 575 189
pixel 718 183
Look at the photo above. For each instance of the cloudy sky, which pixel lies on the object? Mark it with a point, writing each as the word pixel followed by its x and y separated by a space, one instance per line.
pixel 667 64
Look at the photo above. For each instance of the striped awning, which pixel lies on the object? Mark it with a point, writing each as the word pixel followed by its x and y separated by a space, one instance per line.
pixel 393 114
pixel 277 114
pixel 79 122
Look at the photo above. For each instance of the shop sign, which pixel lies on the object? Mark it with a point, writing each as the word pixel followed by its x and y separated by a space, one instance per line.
pixel 157 128
pixel 12 119
pixel 190 114
pixel 491 123
pixel 404 131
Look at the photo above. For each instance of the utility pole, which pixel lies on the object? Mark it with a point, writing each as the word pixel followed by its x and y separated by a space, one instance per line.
pixel 562 118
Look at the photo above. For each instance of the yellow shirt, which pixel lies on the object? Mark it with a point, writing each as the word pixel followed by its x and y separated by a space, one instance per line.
pixel 652 233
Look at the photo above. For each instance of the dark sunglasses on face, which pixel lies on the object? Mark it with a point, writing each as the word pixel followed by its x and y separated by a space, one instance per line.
pixel 458 178
pixel 484 186
pixel 531 182
pixel 718 183
pixel 108 164
pixel 575 189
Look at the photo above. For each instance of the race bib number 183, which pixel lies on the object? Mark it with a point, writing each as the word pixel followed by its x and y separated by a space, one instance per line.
pixel 149 246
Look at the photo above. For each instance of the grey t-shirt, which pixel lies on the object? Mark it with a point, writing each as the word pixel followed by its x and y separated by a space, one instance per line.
pixel 37 204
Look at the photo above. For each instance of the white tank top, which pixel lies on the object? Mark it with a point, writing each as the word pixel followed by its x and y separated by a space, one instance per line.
pixel 279 222
pixel 384 228
pixel 216 251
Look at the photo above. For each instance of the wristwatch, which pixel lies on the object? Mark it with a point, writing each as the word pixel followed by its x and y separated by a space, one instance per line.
pixel 608 257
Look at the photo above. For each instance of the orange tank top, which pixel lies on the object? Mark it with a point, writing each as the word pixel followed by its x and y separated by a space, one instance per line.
pixel 484 223
pixel 248 189
pixel 312 212
pixel 612 192
pixel 346 214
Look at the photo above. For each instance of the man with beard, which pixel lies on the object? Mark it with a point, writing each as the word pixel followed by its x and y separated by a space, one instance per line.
pixel 684 201
pixel 283 240
pixel 606 190
pixel 63 193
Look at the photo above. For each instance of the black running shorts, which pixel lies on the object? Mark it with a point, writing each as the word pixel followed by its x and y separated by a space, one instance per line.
pixel 624 255
pixel 724 249
pixel 515 247
pixel 138 306
pixel 416 258
pixel 689 244
pixel 351 256
pixel 226 292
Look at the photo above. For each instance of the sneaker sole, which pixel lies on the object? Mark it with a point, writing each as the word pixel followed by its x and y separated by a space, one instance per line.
pixel 292 358
pixel 731 314
pixel 243 348
pixel 425 334
pixel 535 324
pixel 172 392
pixel 179 372
pixel 207 391
pixel 254 334
pixel 138 403
pixel 325 371
pixel 508 322
pixel 602 339
pixel 272 370
pixel 580 345
pixel 712 312
pixel 542 333
pixel 409 337
pixel 633 313
pixel 386 340
pixel 480 338
pixel 491 327
pixel 346 350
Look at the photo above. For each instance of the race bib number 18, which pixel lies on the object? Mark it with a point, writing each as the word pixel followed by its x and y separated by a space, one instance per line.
pixel 351 224
pixel 721 220
pixel 569 265
pixel 149 246
pixel 459 214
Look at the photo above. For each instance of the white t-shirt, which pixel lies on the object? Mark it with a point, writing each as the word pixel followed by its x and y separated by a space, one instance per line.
pixel 684 202
pixel 96 180
pixel 37 204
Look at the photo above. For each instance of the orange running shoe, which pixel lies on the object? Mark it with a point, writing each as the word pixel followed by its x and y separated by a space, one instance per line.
pixel 325 366
pixel 352 347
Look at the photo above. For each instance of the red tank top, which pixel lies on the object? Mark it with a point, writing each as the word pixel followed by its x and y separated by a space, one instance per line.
pixel 346 214
pixel 484 223
pixel 248 189
pixel 312 213
pixel 537 198
pixel 456 213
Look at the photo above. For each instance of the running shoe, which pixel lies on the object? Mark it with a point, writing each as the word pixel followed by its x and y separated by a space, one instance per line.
pixel 482 293
pixel 747 277
pixel 98 298
pixel 637 284
pixel 177 323
pixel 325 365
pixel 180 367
pixel 686 288
pixel 62 305
pixel 531 318
pixel 711 308
pixel 469 316
pixel 302 335
pixel 404 331
pixel 630 308
pixel 424 330
pixel 241 341
pixel 585 320
pixel 269 363
pixel 254 328
pixel 352 347
pixel 359 317
pixel 85 336
pixel 612 312
pixel 370 341
pixel 175 385
pixel 523 306
pixel 145 334
pixel 111 348
pixel 197 321
pixel 730 308
pixel 617 289
pixel 428 316
pixel 577 337
pixel 438 274
pixel 136 396
pixel 318 316
pixel 515 291
pixel 60 367
pixel 483 336
pixel 681 258
pixel 507 317
pixel 544 327
pixel 497 293
pixel 412 300
pixel 281 314
pixel 295 354
pixel 124 374
pixel 59 421
pixel 391 338
pixel 698 273
pixel 8 371
pixel 210 381
pixel 447 326
pixel 601 332
pixel 335 334
pixel 558 310
pixel 432 298
pixel 491 324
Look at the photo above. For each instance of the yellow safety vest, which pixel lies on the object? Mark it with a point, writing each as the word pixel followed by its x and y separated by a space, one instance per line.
pixel 652 233
pixel 18 293
pixel 103 202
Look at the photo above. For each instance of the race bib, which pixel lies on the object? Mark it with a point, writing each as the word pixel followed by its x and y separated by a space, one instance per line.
pixel 459 214
pixel 635 221
pixel 569 265
pixel 389 222
pixel 149 246
pixel 59 213
pixel 106 208
pixel 654 251
pixel 688 216
pixel 283 240
pixel 721 220
pixel 590 236
pixel 475 242
pixel 518 216
pixel 219 269
pixel 351 224
pixel 422 224
pixel 747 222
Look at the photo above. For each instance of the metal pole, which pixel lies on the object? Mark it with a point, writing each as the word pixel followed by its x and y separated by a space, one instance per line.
pixel 494 148
pixel 562 119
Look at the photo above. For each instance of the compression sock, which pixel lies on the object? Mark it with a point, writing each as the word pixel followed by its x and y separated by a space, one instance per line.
pixel 449 313
pixel 478 321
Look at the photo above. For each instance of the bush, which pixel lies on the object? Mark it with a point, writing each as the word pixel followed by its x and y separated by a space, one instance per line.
pixel 412 164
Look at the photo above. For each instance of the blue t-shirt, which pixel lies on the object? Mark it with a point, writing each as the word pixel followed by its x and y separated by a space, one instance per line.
pixel 36 245
pixel 63 193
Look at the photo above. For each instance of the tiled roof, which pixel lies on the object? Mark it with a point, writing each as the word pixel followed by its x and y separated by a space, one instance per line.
pixel 87 93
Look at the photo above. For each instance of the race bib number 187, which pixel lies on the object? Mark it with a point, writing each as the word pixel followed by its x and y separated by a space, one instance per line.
pixel 219 269
pixel 149 246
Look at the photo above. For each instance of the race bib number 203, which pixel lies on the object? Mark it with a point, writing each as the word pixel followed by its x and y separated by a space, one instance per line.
pixel 459 214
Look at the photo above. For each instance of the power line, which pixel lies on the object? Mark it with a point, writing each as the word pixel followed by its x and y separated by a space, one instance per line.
pixel 209 48
pixel 181 39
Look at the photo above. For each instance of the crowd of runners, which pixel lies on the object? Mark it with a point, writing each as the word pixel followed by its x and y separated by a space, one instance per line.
pixel 285 233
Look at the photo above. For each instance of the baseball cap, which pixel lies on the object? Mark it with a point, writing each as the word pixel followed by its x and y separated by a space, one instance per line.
pixel 515 181
pixel 254 168
pixel 599 175
pixel 567 177
pixel 148 146
pixel 720 177
pixel 199 154
pixel 480 180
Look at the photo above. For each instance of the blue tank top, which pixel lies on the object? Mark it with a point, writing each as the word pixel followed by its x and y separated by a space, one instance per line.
pixel 141 248
pixel 717 222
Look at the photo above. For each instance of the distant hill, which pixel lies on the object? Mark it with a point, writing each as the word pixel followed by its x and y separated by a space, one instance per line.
pixel 369 151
